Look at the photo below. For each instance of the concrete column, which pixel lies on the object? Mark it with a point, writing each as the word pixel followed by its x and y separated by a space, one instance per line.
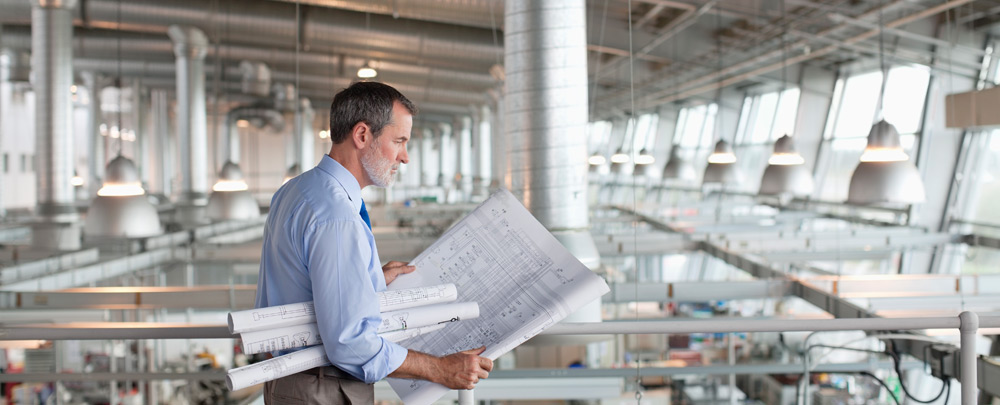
pixel 499 158
pixel 443 132
pixel 52 76
pixel 161 133
pixel 190 47
pixel 462 131
pixel 95 142
pixel 427 175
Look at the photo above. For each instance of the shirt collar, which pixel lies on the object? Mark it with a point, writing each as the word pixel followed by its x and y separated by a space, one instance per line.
pixel 344 177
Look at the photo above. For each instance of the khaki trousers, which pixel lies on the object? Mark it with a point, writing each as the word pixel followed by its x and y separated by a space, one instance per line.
pixel 309 389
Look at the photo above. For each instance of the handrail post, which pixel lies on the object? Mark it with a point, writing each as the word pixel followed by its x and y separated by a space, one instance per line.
pixel 466 397
pixel 968 328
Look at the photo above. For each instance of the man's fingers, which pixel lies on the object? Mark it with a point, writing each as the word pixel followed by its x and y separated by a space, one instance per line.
pixel 486 364
pixel 483 374
pixel 407 269
pixel 477 351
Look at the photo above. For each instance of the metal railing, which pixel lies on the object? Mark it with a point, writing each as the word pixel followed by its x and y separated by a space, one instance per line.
pixel 968 324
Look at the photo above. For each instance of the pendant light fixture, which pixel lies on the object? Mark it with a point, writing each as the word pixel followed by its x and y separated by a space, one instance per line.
pixel 618 160
pixel 721 168
pixel 367 71
pixel 678 168
pixel 231 198
pixel 885 173
pixel 786 173
pixel 121 208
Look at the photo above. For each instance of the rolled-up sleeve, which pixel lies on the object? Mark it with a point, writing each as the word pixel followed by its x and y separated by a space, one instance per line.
pixel 339 262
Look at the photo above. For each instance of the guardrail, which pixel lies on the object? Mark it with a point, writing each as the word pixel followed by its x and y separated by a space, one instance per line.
pixel 968 324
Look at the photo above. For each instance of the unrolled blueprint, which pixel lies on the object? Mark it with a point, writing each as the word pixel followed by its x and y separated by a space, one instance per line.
pixel 295 336
pixel 427 315
pixel 303 312
pixel 291 363
pixel 523 279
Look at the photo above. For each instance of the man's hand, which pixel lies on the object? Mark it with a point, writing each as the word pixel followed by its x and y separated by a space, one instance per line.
pixel 458 371
pixel 393 269
pixel 462 370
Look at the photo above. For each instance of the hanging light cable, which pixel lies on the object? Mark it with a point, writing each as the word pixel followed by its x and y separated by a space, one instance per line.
pixel 721 166
pixel 786 173
pixel 121 208
pixel 885 173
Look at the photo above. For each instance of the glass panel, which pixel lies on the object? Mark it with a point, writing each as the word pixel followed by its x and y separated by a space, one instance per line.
pixel 764 118
pixel 857 109
pixel 788 107
pixel 904 97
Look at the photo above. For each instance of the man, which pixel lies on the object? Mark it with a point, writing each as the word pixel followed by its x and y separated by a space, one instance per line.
pixel 318 246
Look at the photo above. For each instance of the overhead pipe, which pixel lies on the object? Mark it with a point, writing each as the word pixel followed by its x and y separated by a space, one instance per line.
pixel 546 112
pixel 190 47
pixel 160 104
pixel 52 76
pixel 692 87
pixel 152 52
pixel 256 116
pixel 274 23
pixel 52 69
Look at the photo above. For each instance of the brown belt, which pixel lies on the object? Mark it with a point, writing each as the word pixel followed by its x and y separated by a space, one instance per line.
pixel 330 371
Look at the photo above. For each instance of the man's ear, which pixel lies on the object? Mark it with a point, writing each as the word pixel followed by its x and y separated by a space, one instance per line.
pixel 361 135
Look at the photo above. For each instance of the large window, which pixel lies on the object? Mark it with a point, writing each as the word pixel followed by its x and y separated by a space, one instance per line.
pixel 695 131
pixel 766 117
pixel 645 132
pixel 763 119
pixel 853 111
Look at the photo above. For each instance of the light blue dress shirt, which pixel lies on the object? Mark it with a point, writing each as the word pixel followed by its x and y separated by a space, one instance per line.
pixel 317 248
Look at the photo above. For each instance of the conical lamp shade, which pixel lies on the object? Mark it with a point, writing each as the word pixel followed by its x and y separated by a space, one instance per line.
pixel 121 208
pixel 885 173
pixel 230 198
pixel 786 172
pixel 722 167
pixel 678 168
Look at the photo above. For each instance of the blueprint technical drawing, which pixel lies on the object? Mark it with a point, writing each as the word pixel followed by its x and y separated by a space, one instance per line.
pixel 522 277
pixel 301 313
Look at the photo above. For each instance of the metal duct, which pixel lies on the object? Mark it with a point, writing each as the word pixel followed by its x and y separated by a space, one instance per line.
pixel 256 78
pixel 546 109
pixel 545 61
pixel 256 116
pixel 95 142
pixel 478 13
pixel 161 129
pixel 273 23
pixel 412 69
pixel 190 46
pixel 52 67
pixel 284 96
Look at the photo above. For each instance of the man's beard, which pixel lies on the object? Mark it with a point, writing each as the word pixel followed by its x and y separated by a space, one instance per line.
pixel 379 170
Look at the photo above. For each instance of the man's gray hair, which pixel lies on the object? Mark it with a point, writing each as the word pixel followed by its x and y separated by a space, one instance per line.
pixel 368 102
